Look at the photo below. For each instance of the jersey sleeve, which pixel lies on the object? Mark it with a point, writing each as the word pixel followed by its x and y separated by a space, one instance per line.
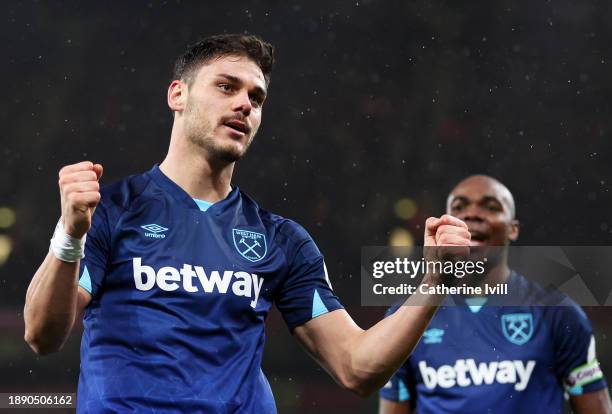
pixel 397 389
pixel 577 366
pixel 97 248
pixel 306 291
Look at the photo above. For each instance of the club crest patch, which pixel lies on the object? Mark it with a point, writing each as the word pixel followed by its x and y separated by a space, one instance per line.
pixel 251 245
pixel 517 327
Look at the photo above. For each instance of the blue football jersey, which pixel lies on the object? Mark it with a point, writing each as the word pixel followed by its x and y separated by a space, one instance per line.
pixel 499 359
pixel 180 296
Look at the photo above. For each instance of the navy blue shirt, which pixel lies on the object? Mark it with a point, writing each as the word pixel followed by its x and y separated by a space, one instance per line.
pixel 499 359
pixel 180 296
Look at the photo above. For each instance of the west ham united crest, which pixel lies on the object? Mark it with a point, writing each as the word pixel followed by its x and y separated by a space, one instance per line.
pixel 517 327
pixel 251 245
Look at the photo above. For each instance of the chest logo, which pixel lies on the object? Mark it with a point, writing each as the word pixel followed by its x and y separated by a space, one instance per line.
pixel 517 327
pixel 433 336
pixel 251 245
pixel 154 231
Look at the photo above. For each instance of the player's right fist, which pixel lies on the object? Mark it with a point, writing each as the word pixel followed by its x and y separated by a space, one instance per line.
pixel 80 194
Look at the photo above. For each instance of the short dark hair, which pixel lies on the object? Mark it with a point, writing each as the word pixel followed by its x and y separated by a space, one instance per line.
pixel 202 52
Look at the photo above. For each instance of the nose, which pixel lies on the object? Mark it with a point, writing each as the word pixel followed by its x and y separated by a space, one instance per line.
pixel 470 213
pixel 242 103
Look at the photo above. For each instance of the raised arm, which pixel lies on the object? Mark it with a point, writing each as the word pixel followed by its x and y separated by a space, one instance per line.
pixel 364 360
pixel 53 299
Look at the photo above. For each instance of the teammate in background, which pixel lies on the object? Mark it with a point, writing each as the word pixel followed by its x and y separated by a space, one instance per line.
pixel 180 269
pixel 498 359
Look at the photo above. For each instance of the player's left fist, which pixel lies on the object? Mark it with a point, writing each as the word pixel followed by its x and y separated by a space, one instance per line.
pixel 449 235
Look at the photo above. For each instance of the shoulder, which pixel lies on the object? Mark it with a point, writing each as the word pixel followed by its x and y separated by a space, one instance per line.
pixel 568 316
pixel 287 233
pixel 284 228
pixel 531 293
pixel 558 308
pixel 120 194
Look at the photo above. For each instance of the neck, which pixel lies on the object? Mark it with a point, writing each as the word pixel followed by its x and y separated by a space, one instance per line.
pixel 496 274
pixel 189 167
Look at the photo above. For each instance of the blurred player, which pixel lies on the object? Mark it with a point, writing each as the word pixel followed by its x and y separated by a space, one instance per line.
pixel 180 269
pixel 498 359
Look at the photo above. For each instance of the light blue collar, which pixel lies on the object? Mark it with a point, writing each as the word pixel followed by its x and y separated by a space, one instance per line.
pixel 476 303
pixel 202 205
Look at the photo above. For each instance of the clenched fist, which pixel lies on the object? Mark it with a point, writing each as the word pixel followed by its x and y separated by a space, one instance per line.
pixel 449 235
pixel 80 194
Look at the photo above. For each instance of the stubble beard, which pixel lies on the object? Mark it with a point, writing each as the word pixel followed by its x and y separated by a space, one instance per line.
pixel 200 133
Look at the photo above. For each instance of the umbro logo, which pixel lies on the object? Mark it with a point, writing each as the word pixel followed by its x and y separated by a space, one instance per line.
pixel 154 231
pixel 433 336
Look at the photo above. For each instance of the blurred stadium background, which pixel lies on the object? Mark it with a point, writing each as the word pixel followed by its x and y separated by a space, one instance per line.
pixel 375 110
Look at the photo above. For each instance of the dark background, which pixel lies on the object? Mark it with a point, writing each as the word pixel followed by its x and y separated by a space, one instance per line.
pixel 371 102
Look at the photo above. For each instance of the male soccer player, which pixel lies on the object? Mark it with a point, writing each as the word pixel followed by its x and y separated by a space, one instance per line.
pixel 180 269
pixel 498 359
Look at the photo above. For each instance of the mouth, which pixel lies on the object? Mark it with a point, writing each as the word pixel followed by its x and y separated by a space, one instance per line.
pixel 238 127
pixel 478 238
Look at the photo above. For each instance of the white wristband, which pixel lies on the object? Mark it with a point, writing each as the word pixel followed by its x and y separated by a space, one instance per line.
pixel 65 247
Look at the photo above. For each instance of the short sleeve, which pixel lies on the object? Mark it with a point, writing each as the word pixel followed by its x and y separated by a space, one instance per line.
pixel 397 389
pixel 97 248
pixel 576 365
pixel 306 291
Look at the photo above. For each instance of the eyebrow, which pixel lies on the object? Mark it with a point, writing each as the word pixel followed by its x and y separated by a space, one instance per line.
pixel 482 200
pixel 234 79
pixel 492 198
pixel 458 198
